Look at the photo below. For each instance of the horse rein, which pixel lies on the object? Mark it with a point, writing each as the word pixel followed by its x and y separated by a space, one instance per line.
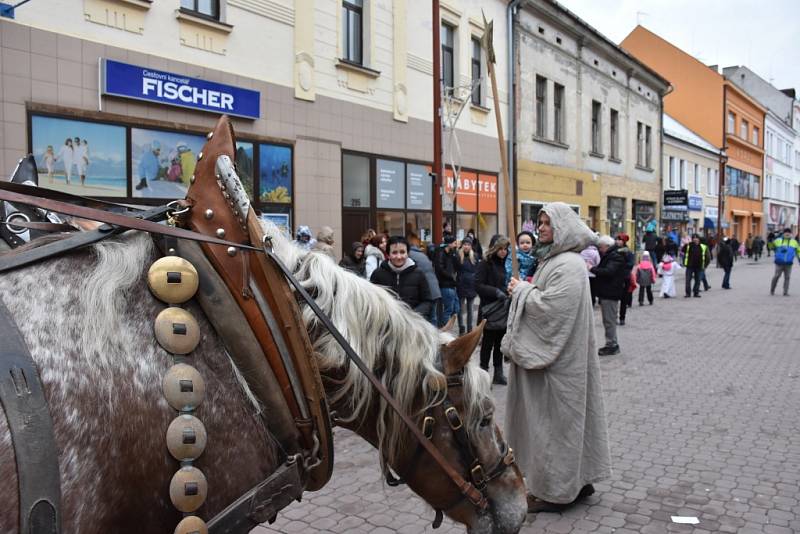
pixel 468 489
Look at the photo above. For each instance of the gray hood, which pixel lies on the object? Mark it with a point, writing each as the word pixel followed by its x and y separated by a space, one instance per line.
pixel 570 233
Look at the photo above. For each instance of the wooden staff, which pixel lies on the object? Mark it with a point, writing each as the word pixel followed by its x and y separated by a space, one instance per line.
pixel 486 42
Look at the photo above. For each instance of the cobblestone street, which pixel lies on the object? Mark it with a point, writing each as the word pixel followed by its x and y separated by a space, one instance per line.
pixel 704 420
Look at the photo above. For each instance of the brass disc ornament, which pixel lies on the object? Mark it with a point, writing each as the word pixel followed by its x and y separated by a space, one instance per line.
pixel 191 525
pixel 188 489
pixel 186 438
pixel 177 330
pixel 183 387
pixel 172 279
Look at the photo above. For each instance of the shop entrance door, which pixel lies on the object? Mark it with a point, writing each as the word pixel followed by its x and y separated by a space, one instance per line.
pixel 354 224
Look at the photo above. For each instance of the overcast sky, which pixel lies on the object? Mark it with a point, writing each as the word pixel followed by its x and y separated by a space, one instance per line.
pixel 763 35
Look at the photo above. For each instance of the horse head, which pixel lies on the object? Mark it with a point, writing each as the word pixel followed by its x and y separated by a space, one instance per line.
pixel 477 449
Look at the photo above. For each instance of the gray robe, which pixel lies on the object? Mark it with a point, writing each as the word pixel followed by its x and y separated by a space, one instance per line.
pixel 555 418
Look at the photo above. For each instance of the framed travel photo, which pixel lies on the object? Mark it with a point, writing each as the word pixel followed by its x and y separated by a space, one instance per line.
pixel 80 157
pixel 163 162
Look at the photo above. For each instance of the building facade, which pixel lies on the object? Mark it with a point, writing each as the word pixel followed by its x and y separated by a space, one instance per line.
pixel 706 103
pixel 588 123
pixel 781 174
pixel 691 181
pixel 338 131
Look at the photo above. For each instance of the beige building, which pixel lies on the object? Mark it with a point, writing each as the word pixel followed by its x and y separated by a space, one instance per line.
pixel 588 125
pixel 333 103
pixel 691 181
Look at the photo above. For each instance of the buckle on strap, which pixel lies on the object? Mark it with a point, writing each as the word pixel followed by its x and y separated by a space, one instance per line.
pixel 427 426
pixel 478 476
pixel 453 419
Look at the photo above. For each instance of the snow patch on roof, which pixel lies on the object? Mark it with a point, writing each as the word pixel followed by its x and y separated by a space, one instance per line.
pixel 675 129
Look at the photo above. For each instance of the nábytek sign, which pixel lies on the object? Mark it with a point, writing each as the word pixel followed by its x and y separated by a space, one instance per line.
pixel 151 85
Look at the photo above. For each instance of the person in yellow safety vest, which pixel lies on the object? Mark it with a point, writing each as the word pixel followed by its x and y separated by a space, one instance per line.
pixel 695 259
pixel 786 250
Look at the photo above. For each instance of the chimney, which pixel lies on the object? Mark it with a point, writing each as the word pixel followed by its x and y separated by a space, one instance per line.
pixel 715 68
pixel 790 93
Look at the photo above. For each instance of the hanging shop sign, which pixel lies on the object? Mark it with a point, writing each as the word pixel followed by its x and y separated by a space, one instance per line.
pixel 676 200
pixel 151 85
pixel 695 203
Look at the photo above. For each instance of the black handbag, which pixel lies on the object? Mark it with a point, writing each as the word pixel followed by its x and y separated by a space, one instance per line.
pixel 495 313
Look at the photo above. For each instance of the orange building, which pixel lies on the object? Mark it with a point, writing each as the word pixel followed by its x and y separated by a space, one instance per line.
pixel 716 110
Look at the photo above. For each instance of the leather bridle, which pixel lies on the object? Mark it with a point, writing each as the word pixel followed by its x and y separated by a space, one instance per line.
pixel 478 475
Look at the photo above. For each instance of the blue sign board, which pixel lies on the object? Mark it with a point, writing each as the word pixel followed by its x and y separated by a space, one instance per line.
pixel 695 203
pixel 141 83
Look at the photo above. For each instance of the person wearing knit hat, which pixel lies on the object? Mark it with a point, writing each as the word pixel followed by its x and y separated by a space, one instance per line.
pixel 645 276
pixel 446 264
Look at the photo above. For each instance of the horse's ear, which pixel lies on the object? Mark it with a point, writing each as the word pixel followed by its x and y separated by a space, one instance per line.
pixel 449 325
pixel 457 353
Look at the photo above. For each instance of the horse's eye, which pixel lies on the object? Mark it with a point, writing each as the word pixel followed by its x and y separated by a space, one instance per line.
pixel 486 421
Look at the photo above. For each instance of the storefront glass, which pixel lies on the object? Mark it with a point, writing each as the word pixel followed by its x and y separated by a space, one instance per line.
pixel 355 181
pixel 616 215
pixel 420 225
pixel 391 222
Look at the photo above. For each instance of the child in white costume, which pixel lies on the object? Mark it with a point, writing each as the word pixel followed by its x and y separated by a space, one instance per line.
pixel 667 269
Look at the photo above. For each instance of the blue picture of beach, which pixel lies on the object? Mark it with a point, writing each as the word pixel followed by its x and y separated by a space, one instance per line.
pixel 80 157
pixel 275 164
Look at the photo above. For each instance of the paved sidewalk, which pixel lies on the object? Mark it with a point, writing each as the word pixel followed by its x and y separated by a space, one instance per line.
pixel 704 420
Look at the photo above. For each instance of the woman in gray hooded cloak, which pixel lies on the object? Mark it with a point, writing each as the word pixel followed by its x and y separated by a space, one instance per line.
pixel 555 418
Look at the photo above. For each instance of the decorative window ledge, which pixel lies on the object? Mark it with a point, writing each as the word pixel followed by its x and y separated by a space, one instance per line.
pixel 645 169
pixel 189 16
pixel 479 108
pixel 597 154
pixel 612 159
pixel 355 67
pixel 551 142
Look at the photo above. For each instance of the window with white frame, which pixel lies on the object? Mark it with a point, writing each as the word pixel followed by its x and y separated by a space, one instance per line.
pixel 755 135
pixel 697 184
pixel 639 144
pixel 205 8
pixel 475 63
pixel 744 126
pixel 558 113
pixel 448 60
pixel 672 173
pixel 731 122
pixel 353 31
pixel 768 186
pixel 541 106
pixel 684 185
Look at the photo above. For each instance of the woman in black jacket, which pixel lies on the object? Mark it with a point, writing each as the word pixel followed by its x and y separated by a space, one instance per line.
pixel 400 274
pixel 465 285
pixel 354 261
pixel 491 283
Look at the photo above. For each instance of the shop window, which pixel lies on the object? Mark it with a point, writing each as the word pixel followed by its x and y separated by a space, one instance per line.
pixel 465 222
pixel 355 181
pixel 616 215
pixel 391 222
pixel 353 31
pixel 205 8
pixel 275 174
pixel 419 225
pixel 390 190
pixel 162 162
pixel 419 187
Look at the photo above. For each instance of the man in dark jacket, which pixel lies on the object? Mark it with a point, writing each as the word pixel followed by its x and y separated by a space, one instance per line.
pixel 725 260
pixel 447 266
pixel 400 274
pixel 696 258
pixel 609 288
pixel 650 243
pixel 424 264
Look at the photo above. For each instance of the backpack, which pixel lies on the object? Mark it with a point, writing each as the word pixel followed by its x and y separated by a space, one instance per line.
pixel 644 277
pixel 784 253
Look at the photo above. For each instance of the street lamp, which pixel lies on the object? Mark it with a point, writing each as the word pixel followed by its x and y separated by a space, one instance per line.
pixel 723 160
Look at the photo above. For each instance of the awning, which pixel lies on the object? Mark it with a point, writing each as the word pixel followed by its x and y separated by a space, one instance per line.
pixel 741 213
pixel 758 214
pixel 709 223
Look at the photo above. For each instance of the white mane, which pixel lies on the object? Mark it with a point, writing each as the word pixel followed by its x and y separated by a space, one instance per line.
pixel 400 345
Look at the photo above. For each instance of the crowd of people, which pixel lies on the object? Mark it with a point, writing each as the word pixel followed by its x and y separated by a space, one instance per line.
pixel 542 320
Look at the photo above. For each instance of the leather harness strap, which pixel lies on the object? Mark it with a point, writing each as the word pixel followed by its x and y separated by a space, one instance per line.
pixel 31 427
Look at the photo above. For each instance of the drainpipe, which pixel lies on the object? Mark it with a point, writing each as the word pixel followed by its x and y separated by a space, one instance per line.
pixel 512 102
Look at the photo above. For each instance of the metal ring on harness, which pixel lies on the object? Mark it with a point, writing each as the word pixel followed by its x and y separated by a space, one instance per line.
pixel 13 216
pixel 181 211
